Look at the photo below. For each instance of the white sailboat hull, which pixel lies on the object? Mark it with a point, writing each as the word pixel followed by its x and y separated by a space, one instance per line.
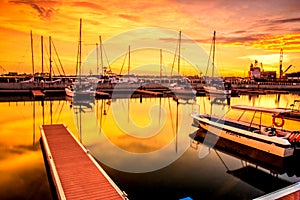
pixel 214 90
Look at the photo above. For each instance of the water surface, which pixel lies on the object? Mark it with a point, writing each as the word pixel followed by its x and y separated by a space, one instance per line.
pixel 144 145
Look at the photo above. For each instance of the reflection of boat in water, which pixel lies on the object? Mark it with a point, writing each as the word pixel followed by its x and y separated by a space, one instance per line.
pixel 268 182
pixel 261 170
pixel 270 139
pixel 88 103
pixel 275 164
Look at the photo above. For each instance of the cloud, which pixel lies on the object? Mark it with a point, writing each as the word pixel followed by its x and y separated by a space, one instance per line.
pixel 129 17
pixel 88 5
pixel 287 20
pixel 44 12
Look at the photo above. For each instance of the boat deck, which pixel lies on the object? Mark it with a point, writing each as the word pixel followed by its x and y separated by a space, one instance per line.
pixel 75 173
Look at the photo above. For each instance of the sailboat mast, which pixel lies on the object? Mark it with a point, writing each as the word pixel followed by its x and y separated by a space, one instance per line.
pixel 160 71
pixel 101 55
pixel 179 44
pixel 32 57
pixel 97 55
pixel 50 60
pixel 214 49
pixel 42 49
pixel 128 59
pixel 79 51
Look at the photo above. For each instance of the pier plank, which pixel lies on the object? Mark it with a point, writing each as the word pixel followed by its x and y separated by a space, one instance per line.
pixel 37 93
pixel 75 173
pixel 149 92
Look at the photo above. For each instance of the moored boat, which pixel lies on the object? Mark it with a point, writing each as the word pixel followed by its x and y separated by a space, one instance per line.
pixel 214 85
pixel 270 139
pixel 294 113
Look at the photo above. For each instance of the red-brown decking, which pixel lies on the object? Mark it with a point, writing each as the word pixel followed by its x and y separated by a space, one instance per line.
pixel 291 196
pixel 75 173
pixel 37 93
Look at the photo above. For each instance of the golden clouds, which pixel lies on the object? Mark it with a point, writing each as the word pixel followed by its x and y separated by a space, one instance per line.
pixel 238 26
pixel 289 42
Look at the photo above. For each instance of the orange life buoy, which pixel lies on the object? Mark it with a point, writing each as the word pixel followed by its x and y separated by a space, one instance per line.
pixel 278 124
pixel 291 137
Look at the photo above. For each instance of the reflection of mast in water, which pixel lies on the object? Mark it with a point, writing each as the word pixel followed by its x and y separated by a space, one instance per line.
pixel 51 103
pixel 128 109
pixel 33 124
pixel 78 121
pixel 80 124
pixel 43 111
pixel 103 111
pixel 100 113
pixel 174 130
pixel 159 114
pixel 176 135
pixel 277 100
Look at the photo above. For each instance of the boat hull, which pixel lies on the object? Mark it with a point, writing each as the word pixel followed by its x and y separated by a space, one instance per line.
pixel 237 137
pixel 214 90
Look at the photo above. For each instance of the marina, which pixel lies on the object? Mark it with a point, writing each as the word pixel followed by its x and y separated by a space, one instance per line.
pixel 99 101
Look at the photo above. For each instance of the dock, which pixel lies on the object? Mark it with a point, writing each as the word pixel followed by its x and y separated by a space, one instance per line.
pixel 75 173
pixel 157 94
pixel 102 94
pixel 37 93
pixel 287 193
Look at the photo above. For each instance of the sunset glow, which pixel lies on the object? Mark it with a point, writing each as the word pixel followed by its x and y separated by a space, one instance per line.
pixel 246 31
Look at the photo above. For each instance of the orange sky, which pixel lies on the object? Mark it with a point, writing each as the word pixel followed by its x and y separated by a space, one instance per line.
pixel 246 30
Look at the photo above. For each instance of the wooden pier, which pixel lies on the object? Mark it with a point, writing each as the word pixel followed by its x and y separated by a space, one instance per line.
pixel 75 173
pixel 37 93
pixel 157 94
pixel 288 193
pixel 102 94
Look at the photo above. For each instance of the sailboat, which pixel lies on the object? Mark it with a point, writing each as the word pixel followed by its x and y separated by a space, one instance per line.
pixel 183 90
pixel 216 86
pixel 79 89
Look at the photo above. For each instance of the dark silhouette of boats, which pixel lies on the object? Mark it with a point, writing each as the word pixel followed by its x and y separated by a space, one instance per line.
pixel 264 172
pixel 274 164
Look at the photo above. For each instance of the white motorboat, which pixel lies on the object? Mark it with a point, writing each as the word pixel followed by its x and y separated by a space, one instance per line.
pixel 272 139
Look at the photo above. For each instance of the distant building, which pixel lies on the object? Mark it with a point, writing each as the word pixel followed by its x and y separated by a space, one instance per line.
pixel 295 75
pixel 256 72
pixel 268 74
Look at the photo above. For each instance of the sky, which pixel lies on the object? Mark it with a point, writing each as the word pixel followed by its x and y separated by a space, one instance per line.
pixel 245 31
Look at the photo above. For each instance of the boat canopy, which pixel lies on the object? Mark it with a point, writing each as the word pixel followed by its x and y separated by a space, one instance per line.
pixel 261 109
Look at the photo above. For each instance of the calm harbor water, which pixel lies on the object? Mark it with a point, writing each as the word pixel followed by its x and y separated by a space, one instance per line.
pixel 145 145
